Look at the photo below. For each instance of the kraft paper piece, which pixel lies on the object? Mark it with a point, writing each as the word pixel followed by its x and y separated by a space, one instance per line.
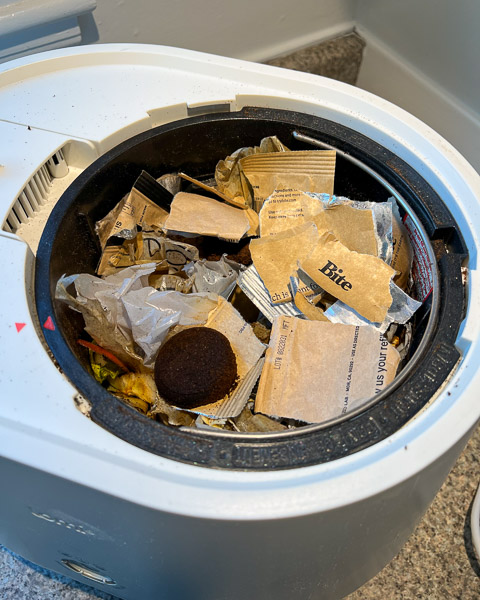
pixel 359 280
pixel 317 371
pixel 192 213
pixel 306 170
pixel 352 226
pixel 248 351
pixel 238 201
pixel 275 258
pixel 285 209
pixel 227 172
pixel 381 215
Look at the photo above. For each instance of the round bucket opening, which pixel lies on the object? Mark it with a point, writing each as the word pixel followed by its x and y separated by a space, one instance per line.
pixel 365 171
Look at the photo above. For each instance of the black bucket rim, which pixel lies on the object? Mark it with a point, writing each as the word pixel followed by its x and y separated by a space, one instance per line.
pixel 267 451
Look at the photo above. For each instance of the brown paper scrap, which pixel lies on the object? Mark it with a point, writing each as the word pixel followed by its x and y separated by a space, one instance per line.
pixel 311 312
pixel 317 371
pixel 353 227
pixel 275 258
pixel 238 201
pixel 285 209
pixel 114 258
pixel 192 213
pixel 227 171
pixel 306 170
pixel 359 280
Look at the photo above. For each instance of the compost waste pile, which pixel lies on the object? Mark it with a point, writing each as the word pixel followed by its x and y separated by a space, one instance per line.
pixel 255 300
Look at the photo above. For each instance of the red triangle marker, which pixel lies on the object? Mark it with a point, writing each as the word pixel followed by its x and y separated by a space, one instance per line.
pixel 49 324
pixel 19 326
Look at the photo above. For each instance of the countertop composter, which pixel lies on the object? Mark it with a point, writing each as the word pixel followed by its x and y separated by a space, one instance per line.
pixel 93 489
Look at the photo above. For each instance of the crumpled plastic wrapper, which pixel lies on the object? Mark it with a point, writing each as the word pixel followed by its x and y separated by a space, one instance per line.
pixel 217 276
pixel 171 182
pixel 176 282
pixel 227 171
pixel 130 318
pixel 401 310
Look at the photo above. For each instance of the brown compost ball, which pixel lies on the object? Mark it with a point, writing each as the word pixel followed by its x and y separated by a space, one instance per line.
pixel 194 367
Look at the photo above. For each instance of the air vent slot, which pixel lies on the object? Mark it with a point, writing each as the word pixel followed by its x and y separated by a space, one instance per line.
pixel 31 198
pixel 57 165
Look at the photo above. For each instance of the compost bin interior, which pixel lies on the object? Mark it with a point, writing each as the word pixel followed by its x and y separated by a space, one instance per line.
pixel 70 245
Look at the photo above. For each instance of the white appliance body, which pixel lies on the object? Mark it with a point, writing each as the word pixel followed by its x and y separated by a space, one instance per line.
pixel 141 526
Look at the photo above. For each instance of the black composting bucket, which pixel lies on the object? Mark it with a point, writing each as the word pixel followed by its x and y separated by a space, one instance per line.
pixel 69 245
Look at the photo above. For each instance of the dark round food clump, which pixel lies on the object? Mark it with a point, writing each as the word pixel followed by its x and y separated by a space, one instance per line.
pixel 195 367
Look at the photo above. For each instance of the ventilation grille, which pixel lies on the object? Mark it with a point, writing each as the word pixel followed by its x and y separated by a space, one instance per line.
pixel 35 193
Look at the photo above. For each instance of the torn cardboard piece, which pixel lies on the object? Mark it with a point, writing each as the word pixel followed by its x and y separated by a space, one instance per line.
pixel 361 281
pixel 192 213
pixel 306 170
pixel 275 258
pixel 316 371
